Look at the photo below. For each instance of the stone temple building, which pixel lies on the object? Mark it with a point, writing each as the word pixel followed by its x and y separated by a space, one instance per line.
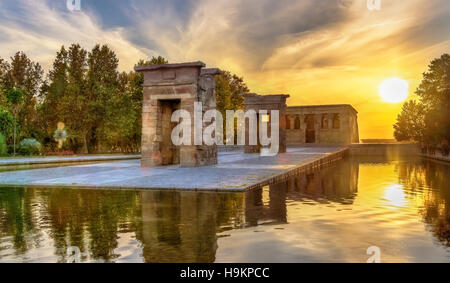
pixel 322 124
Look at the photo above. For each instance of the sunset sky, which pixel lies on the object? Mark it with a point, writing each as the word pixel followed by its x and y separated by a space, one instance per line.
pixel 318 51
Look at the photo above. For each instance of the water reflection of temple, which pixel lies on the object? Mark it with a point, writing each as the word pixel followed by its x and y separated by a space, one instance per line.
pixel 337 183
pixel 183 226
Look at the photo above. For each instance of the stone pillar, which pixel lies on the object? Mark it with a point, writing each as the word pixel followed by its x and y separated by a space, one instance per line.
pixel 253 101
pixel 168 88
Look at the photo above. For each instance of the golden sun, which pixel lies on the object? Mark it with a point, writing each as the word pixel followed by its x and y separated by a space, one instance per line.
pixel 394 90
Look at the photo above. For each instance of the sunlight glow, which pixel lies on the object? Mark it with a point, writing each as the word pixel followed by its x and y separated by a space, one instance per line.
pixel 395 196
pixel 394 90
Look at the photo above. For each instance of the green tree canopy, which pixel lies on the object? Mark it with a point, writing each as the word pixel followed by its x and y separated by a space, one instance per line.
pixel 14 97
pixel 6 122
pixel 410 122
pixel 427 119
pixel 229 88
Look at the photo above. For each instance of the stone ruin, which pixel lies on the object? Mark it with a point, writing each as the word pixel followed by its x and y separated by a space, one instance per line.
pixel 253 101
pixel 167 88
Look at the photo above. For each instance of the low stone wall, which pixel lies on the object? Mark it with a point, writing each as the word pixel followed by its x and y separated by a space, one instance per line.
pixel 437 156
pixel 390 150
pixel 227 148
pixel 315 163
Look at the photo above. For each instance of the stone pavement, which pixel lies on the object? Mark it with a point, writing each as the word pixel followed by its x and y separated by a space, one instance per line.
pixel 235 171
pixel 64 159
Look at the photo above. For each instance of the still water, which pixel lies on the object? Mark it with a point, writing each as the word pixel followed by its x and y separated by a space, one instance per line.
pixel 330 215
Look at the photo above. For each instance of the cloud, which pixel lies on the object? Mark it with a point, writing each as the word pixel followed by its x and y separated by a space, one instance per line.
pixel 327 51
pixel 39 30
pixel 225 31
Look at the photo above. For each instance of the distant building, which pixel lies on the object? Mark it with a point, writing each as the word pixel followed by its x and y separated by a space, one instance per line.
pixel 322 124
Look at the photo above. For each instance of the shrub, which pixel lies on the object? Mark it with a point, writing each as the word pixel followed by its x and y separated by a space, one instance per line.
pixel 3 146
pixel 29 147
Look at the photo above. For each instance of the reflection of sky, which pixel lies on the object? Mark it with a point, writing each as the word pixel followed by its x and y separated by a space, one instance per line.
pixel 381 216
pixel 300 47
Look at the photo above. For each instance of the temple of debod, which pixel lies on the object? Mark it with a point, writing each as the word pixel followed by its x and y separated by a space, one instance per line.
pixel 170 87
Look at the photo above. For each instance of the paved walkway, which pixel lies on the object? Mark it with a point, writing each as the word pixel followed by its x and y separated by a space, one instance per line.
pixel 64 159
pixel 236 171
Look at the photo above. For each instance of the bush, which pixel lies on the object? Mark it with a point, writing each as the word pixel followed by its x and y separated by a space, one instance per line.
pixel 29 147
pixel 3 146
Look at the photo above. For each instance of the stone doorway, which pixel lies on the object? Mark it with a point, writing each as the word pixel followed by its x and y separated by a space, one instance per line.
pixel 170 154
pixel 310 133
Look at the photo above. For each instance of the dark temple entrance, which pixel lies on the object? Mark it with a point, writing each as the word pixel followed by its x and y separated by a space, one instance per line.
pixel 170 154
pixel 310 129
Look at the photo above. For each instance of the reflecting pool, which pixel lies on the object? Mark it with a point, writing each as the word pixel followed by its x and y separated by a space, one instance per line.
pixel 329 215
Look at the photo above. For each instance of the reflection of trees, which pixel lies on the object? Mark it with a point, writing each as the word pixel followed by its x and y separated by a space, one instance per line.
pixel 75 213
pixel 182 227
pixel 429 181
pixel 16 218
pixel 171 226
pixel 83 218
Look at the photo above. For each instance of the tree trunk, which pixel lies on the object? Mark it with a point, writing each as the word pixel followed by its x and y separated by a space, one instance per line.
pixel 14 136
pixel 85 150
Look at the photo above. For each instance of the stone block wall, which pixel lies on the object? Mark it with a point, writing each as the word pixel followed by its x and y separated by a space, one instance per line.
pixel 332 124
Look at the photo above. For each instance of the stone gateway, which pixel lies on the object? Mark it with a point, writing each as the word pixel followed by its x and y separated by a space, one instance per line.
pixel 168 88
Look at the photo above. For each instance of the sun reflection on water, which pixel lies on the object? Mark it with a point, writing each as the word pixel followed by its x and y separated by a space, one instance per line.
pixel 395 196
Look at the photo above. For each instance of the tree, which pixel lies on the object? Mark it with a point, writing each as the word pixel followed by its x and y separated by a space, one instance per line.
pixel 228 91
pixel 102 83
pixel 53 91
pixel 229 88
pixel 153 61
pixel 410 122
pixel 26 76
pixel 427 119
pixel 121 129
pixel 15 99
pixel 4 70
pixel 74 104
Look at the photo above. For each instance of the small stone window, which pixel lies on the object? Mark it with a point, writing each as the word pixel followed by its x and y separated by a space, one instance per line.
pixel 325 121
pixel 288 122
pixel 297 123
pixel 336 121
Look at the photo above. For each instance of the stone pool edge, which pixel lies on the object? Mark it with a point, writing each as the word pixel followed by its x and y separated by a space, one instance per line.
pixel 63 160
pixel 316 162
